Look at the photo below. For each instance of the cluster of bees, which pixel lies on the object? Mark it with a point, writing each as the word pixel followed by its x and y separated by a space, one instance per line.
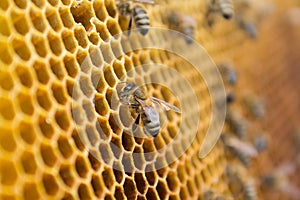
pixel 181 22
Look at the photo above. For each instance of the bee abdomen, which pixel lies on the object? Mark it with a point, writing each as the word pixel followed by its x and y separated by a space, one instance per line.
pixel 226 7
pixel 153 128
pixel 189 31
pixel 141 19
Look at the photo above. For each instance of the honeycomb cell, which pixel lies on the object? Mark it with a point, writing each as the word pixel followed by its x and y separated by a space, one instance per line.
pixel 81 166
pixel 53 18
pixel 8 173
pixel 66 17
pixel 100 10
pixel 59 93
pixel 149 148
pixel 41 72
pixel 5 54
pixel 37 19
pixel 101 105
pixel 20 3
pixel 53 2
pixel 152 193
pixel 98 185
pixel 19 21
pixel 39 3
pixel 7 197
pixel 113 27
pixel 48 154
pixel 69 41
pixel 150 175
pixel 67 196
pixel 65 173
pixel 159 142
pixel 78 138
pixel 108 177
pixel 94 159
pixel 183 193
pixel 112 98
pixel 30 191
pixel 141 182
pixel 25 103
pixel 98 81
pixel 191 187
pixel 39 44
pixel 28 163
pixel 62 119
pixel 119 193
pixel 119 69
pixel 110 76
pixel 21 49
pixel 27 132
pixel 46 127
pixel 118 172
pixel 65 147
pixel 55 43
pixel 77 114
pixel 79 33
pixel 6 81
pixel 7 141
pixel 111 9
pixel 4 29
pixel 86 86
pixel 50 184
pixel 71 65
pixel 172 181
pixel 130 189
pixel 138 158
pixel 127 141
pixel 127 162
pixel 92 135
pixel 116 146
pixel 162 190
pixel 57 68
pixel 6 109
pixel 125 116
pixel 107 53
pixel 105 152
pixel 94 38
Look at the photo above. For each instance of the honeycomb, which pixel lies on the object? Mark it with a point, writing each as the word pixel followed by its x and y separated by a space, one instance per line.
pixel 65 135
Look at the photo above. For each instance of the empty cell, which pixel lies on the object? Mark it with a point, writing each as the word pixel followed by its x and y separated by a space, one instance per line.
pixel 37 19
pixel 101 105
pixel 30 191
pixel 79 139
pixel 96 57
pixel 68 196
pixel 53 18
pixel 162 189
pixel 125 116
pixel 21 3
pixel 71 65
pixel 24 75
pixel 151 175
pixel 41 71
pixel 4 4
pixel 94 38
pixel 83 192
pixel 140 182
pixel 7 197
pixel 4 28
pixel 81 37
pixel 191 187
pixel 66 17
pixel 78 114
pixel 21 49
pixel 100 10
pixel 98 185
pixel 92 135
pixel 39 3
pixel 86 86
pixel 7 140
pixel 119 193
pixel 113 27
pixel 8 173
pixel 55 43
pixel 108 177
pixel 62 119
pixel 119 70
pixel 152 194
pixel 170 157
pixel 59 93
pixel 27 132
pixel 129 67
pixel 118 171
pixel 65 147
pixel 172 181
pixel 28 162
pixel 94 159
pixel 57 68
pixel 43 98
pixel 127 141
pixel 5 53
pixel 69 41
pixel 112 98
pixel 102 30
pixel 159 142
pixel 50 184
pixel 73 89
pixel 127 163
pixel 116 146
pixel 98 80
pixel 105 152
pixel 46 127
pixel 107 53
pixel 39 44
pixel 114 123
pixel 25 103
pixel 53 2
pixel 6 108
pixel 48 155
pixel 130 189
pixel 6 81
pixel 81 166
pixel 19 21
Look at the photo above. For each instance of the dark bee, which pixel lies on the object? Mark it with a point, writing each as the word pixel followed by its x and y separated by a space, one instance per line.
pixel 230 97
pixel 228 73
pixel 237 124
pixel 248 26
pixel 260 143
pixel 224 7
pixel 137 14
pixel 144 106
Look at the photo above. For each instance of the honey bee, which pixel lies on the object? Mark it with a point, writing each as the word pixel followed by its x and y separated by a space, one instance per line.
pixel 146 106
pixel 224 7
pixel 244 151
pixel 184 24
pixel 237 124
pixel 211 195
pixel 260 143
pixel 255 106
pixel 248 26
pixel 229 74
pixel 230 97
pixel 249 191
pixel 137 14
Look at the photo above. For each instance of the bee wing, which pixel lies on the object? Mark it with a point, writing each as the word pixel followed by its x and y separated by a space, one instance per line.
pixel 164 104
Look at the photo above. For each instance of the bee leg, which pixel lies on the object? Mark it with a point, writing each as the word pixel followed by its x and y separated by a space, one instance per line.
pixel 130 25
pixel 136 123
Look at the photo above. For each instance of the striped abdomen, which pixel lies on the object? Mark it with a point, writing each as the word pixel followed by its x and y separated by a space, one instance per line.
pixel 141 19
pixel 151 121
pixel 226 7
